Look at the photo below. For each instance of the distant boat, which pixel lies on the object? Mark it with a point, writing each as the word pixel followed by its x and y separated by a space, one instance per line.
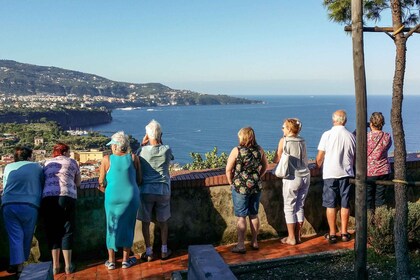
pixel 129 108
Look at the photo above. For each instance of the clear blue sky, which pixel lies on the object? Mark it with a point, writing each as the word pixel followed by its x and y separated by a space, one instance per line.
pixel 226 47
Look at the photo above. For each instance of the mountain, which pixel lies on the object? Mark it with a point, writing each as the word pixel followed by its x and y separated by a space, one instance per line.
pixel 26 79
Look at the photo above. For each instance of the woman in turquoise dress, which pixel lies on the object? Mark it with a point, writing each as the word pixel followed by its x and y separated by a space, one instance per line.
pixel 120 175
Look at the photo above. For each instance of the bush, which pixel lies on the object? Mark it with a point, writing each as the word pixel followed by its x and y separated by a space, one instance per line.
pixel 212 160
pixel 381 231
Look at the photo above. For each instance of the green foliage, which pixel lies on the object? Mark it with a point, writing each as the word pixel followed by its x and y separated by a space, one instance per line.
pixel 270 156
pixel 212 160
pixel 52 133
pixel 340 10
pixel 381 233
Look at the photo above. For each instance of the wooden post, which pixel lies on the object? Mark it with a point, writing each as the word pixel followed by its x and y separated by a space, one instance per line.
pixel 361 162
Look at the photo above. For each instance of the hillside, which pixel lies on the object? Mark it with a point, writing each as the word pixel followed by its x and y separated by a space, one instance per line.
pixel 26 80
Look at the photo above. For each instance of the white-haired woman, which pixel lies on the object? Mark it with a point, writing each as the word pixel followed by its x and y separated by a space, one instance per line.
pixel 120 175
pixel 155 191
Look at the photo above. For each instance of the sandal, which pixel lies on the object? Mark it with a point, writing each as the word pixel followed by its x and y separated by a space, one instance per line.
pixel 129 263
pixel 146 257
pixel 238 250
pixel 70 269
pixel 110 265
pixel 332 239
pixel 346 237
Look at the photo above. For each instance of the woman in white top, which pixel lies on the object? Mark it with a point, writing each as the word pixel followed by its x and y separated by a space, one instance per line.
pixel 296 184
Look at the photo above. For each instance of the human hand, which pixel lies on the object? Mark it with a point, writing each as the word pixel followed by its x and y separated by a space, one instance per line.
pixel 145 140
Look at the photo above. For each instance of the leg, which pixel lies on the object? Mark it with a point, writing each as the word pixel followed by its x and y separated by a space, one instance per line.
pixel 290 193
pixel 254 224
pixel 164 232
pixel 331 218
pixel 300 202
pixel 146 233
pixel 55 253
pixel 345 206
pixel 126 254
pixel 241 228
pixel 380 192
pixel 291 238
pixel 67 261
pixel 254 221
pixel 15 233
pixel 111 256
pixel 298 231
pixel 345 214
pixel 69 208
pixel 29 229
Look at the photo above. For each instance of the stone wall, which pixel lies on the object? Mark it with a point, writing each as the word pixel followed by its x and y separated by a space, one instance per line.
pixel 202 213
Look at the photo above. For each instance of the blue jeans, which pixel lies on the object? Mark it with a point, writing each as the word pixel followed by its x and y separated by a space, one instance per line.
pixel 245 204
pixel 20 220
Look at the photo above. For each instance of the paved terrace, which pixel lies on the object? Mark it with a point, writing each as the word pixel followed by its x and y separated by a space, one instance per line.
pixel 158 269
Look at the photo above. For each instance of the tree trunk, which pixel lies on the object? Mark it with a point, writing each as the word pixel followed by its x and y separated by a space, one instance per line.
pixel 401 205
pixel 360 91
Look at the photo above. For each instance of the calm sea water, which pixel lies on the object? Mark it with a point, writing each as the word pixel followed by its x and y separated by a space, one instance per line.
pixel 201 128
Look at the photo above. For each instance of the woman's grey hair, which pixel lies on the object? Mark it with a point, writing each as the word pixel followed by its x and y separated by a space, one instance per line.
pixel 154 130
pixel 122 141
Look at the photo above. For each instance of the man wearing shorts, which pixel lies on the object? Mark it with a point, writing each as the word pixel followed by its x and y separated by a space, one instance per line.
pixel 336 152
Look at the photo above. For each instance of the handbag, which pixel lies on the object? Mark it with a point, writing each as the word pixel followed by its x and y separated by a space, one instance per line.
pixel 282 168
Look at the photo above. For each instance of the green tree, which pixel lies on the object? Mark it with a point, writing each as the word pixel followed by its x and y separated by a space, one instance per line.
pixel 404 13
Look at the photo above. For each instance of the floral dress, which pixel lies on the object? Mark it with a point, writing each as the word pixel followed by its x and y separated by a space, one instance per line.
pixel 246 178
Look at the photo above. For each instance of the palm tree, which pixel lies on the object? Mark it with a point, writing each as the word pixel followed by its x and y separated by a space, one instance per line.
pixel 404 13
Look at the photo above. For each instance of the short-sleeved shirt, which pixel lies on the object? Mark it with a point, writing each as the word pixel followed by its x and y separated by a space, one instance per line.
pixel 60 173
pixel 378 144
pixel 339 146
pixel 155 161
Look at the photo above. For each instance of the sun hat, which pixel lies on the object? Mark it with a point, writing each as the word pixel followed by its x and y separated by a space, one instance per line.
pixel 113 142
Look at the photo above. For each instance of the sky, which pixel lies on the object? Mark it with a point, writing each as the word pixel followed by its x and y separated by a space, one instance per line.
pixel 234 47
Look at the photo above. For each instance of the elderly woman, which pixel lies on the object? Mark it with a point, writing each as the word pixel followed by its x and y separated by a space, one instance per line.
pixel 155 191
pixel 246 165
pixel 119 177
pixel 378 167
pixel 296 185
pixel 22 181
pixel 62 178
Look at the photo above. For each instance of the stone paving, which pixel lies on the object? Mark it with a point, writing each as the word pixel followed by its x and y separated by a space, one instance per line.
pixel 160 269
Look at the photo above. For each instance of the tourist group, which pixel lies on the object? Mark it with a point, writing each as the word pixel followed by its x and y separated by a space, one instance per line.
pixel 136 185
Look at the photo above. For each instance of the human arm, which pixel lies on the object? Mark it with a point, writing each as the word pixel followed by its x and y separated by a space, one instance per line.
pixel 137 166
pixel 264 163
pixel 102 173
pixel 230 165
pixel 279 151
pixel 320 158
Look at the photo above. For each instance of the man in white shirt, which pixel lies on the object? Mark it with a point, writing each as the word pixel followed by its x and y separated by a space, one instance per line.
pixel 336 152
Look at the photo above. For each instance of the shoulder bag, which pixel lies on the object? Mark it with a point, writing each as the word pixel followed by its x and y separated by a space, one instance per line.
pixel 282 168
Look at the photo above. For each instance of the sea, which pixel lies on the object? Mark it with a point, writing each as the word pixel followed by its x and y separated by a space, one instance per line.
pixel 200 128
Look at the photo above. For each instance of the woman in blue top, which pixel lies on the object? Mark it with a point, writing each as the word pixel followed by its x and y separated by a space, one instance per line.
pixel 120 175
pixel 22 182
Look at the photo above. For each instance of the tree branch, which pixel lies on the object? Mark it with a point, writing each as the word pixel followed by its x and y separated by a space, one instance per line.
pixel 384 29
pixel 414 29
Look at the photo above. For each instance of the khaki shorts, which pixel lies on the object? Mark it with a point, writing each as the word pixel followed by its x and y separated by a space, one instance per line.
pixel 162 206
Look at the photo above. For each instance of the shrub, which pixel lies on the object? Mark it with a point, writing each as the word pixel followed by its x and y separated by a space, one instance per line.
pixel 381 231
pixel 212 160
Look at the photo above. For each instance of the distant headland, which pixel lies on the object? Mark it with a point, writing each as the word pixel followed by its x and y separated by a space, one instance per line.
pixel 30 93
